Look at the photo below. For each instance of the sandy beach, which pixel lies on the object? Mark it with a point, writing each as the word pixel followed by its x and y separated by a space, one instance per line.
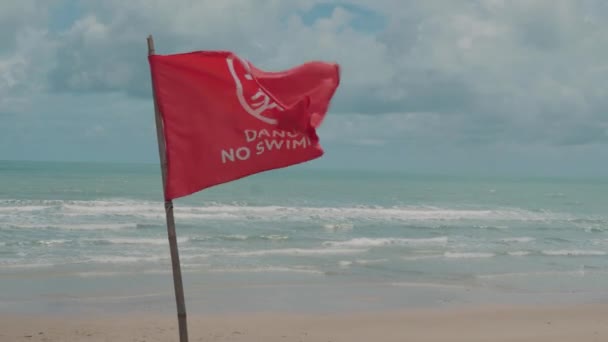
pixel 540 324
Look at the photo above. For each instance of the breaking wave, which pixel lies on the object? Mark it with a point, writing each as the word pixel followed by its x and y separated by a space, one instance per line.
pixel 573 253
pixel 217 211
pixel 378 242
pixel 298 252
pixel 467 255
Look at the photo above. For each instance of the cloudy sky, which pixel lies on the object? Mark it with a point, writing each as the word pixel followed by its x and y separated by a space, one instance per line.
pixel 460 86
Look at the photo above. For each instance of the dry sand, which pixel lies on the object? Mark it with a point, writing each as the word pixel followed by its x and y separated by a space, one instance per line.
pixel 540 324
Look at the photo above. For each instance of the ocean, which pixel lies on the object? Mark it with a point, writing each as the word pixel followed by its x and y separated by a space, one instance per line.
pixel 91 237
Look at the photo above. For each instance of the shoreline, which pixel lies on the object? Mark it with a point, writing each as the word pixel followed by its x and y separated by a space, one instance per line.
pixel 467 323
pixel 296 294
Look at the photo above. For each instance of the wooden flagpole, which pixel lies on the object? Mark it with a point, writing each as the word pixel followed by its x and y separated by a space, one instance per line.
pixel 177 272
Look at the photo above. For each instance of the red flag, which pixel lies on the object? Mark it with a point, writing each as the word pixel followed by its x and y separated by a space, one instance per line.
pixel 225 119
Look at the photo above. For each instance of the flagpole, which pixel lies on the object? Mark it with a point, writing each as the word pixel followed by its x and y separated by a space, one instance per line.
pixel 177 272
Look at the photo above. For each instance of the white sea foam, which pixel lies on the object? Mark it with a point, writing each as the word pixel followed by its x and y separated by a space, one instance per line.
pixel 54 242
pixel 26 265
pixel 275 237
pixel 492 227
pixel 268 269
pixel 334 227
pixel 242 237
pixel 238 237
pixel 17 209
pixel 362 262
pixel 378 242
pixel 575 273
pixel 148 209
pixel 524 239
pixel 573 252
pixel 115 259
pixel 422 257
pixel 99 274
pixel 103 274
pixel 370 261
pixel 467 255
pixel 298 252
pixel 111 206
pixel 137 241
pixel 518 253
pixel 76 226
pixel 122 215
pixel 429 285
pixel 345 263
pixel 25 203
pixel 98 226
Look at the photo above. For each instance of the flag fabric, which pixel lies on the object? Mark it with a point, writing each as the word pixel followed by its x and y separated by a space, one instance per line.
pixel 225 119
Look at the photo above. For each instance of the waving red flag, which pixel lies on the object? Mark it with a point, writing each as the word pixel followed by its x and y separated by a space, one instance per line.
pixel 225 119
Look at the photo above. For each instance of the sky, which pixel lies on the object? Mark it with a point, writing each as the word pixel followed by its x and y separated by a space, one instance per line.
pixel 434 86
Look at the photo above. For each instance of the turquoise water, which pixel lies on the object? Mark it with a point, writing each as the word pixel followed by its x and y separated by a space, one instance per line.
pixel 88 235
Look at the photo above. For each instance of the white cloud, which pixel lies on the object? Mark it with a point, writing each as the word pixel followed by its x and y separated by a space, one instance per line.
pixel 19 15
pixel 23 71
pixel 435 72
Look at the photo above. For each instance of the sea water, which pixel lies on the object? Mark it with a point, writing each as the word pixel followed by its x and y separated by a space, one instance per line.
pixel 92 236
